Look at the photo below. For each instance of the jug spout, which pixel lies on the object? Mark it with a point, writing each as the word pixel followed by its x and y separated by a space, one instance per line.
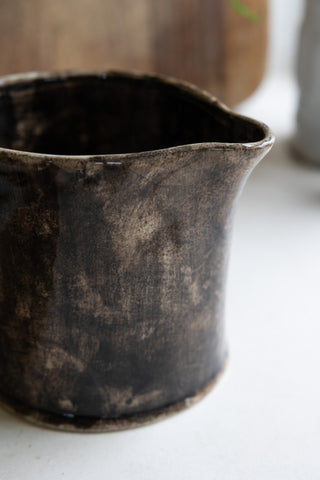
pixel 231 161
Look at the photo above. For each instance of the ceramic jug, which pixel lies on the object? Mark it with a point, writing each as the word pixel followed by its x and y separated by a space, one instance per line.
pixel 117 193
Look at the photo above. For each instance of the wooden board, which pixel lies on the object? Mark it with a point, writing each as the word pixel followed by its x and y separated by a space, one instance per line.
pixel 203 41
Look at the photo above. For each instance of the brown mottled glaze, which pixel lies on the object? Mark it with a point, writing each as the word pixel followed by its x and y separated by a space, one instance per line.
pixel 116 198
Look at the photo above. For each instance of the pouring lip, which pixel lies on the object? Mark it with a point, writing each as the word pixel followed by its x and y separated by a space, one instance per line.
pixel 20 80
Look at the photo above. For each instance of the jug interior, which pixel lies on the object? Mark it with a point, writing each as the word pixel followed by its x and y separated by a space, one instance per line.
pixel 109 114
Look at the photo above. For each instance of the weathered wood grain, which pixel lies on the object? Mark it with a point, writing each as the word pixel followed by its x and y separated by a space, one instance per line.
pixel 205 42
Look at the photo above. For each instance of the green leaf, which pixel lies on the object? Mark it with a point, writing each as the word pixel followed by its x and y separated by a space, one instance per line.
pixel 245 11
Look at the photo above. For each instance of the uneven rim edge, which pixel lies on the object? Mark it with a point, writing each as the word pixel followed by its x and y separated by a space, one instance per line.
pixel 54 76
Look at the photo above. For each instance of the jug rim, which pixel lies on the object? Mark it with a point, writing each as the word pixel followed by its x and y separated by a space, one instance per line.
pixel 32 157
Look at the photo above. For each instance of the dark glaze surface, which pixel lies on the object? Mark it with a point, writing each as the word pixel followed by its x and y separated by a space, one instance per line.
pixel 112 269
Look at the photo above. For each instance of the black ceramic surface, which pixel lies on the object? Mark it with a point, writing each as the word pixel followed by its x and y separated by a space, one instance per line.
pixel 116 198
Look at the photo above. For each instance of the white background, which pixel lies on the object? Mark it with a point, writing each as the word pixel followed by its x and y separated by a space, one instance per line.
pixel 262 421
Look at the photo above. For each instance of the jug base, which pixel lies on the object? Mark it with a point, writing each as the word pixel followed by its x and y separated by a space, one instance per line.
pixel 82 424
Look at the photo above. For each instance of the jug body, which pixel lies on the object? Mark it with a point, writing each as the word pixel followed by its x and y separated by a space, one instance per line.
pixel 117 197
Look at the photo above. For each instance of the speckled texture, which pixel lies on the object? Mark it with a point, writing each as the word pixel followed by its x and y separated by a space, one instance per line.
pixel 112 266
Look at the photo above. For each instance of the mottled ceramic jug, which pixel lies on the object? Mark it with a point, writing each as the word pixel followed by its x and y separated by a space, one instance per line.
pixel 117 192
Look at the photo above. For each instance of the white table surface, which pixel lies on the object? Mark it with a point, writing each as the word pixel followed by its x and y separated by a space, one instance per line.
pixel 262 421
